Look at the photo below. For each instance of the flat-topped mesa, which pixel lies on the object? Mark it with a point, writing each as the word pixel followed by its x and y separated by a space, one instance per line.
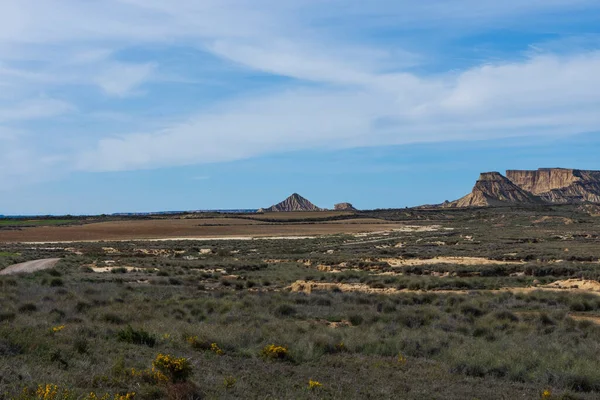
pixel 493 189
pixel 293 203
pixel 344 207
pixel 559 185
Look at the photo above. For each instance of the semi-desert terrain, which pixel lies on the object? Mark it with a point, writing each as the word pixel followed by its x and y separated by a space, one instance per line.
pixel 440 303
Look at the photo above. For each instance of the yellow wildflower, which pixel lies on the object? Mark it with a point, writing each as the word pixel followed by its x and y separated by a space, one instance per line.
pixel 215 348
pixel 127 396
pixel 47 392
pixel 313 385
pixel 58 328
pixel 401 359
pixel 229 382
pixel 546 394
pixel 173 368
pixel 275 352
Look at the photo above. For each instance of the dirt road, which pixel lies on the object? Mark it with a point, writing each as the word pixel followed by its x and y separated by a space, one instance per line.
pixel 30 266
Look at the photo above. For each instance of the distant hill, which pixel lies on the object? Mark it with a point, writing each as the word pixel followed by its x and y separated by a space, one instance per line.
pixel 542 186
pixel 344 207
pixel 293 203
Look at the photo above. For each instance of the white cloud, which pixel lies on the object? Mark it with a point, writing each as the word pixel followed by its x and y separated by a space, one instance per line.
pixel 347 88
pixel 120 79
pixel 34 109
pixel 543 95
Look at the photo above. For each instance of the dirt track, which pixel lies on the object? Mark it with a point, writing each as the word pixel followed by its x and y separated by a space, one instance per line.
pixel 30 266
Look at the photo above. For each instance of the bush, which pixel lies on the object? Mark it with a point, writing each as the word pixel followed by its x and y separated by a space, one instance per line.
pixel 55 282
pixel 274 352
pixel 138 336
pixel 285 310
pixel 113 319
pixel 28 307
pixel 356 319
pixel 7 316
pixel 173 368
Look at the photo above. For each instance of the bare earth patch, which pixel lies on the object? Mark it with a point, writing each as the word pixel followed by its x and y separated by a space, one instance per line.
pixel 401 262
pixel 310 286
pixel 30 266
pixel 575 284
pixel 109 269
pixel 547 218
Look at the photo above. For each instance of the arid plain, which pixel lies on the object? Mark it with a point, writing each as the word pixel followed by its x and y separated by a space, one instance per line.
pixel 498 303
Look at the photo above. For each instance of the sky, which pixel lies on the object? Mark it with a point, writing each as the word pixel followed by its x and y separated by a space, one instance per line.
pixel 154 105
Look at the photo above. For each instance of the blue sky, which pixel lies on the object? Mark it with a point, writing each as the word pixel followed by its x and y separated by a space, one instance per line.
pixel 147 105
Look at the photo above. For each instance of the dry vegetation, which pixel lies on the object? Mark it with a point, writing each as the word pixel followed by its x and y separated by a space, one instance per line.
pixel 447 304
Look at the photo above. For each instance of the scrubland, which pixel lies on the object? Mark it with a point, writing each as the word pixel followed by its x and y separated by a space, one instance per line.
pixel 459 304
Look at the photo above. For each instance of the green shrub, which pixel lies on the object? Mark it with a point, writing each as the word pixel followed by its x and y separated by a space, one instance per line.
pixel 136 336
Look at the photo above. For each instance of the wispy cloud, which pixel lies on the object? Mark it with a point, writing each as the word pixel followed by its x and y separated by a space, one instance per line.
pixel 336 74
pixel 34 109
pixel 491 101
pixel 120 79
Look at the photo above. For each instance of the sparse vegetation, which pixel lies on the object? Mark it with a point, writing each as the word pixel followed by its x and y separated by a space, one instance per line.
pixel 217 319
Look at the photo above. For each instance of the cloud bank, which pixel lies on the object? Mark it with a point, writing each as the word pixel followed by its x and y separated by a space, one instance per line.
pixel 336 74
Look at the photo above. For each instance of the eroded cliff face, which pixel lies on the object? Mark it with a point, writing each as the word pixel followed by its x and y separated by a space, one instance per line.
pixel 559 185
pixel 545 185
pixel 493 189
pixel 344 207
pixel 293 203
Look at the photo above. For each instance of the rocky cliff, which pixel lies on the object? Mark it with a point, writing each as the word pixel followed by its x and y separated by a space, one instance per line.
pixel 559 185
pixel 293 203
pixel 493 189
pixel 542 186
pixel 344 207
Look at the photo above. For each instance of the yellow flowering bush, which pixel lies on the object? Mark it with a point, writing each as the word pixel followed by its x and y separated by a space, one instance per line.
pixel 401 359
pixel 174 368
pixel 546 394
pixel 216 349
pixel 275 352
pixel 313 385
pixel 126 396
pixel 229 382
pixel 57 328
pixel 198 344
pixel 51 391
pixel 149 375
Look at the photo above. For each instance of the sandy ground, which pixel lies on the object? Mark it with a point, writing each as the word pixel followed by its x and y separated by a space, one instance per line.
pixel 30 266
pixel 178 229
pixel 574 285
pixel 411 262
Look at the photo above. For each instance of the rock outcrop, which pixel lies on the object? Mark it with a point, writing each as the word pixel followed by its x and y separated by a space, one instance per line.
pixel 493 189
pixel 344 207
pixel 559 185
pixel 543 186
pixel 293 203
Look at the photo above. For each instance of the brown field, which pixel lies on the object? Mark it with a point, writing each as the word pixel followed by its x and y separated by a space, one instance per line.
pixel 300 215
pixel 189 228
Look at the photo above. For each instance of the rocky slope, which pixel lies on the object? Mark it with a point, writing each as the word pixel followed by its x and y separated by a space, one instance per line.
pixel 542 186
pixel 559 185
pixel 344 207
pixel 293 203
pixel 493 189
